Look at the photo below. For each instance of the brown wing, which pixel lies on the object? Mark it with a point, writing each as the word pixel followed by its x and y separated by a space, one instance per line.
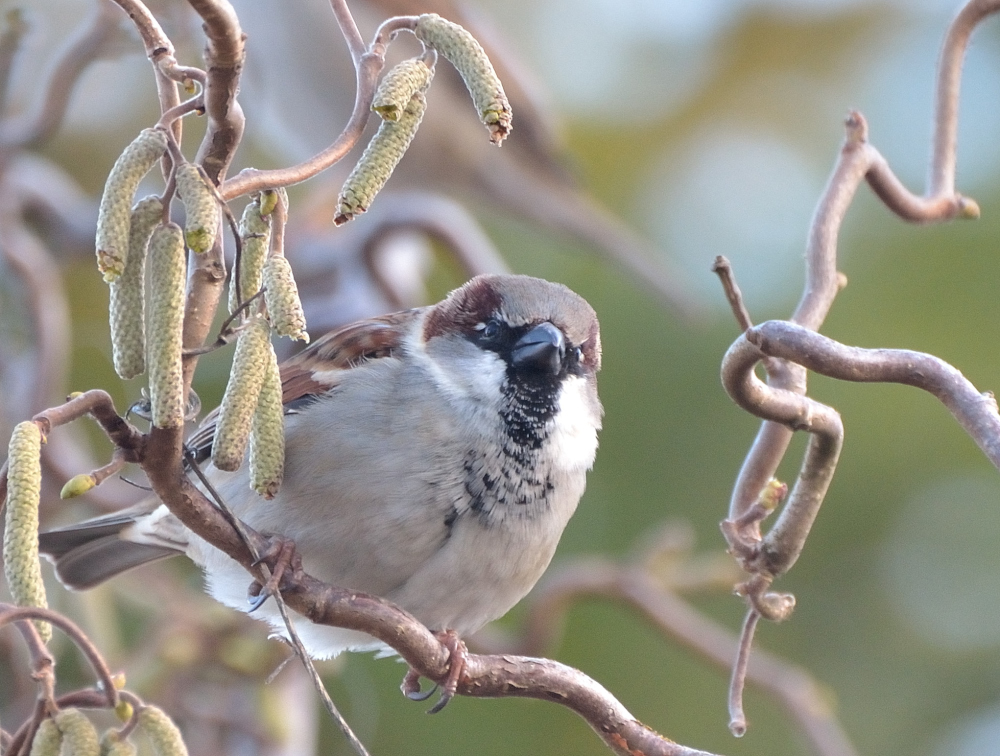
pixel 318 368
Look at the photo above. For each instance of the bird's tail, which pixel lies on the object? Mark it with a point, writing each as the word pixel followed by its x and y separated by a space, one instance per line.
pixel 90 552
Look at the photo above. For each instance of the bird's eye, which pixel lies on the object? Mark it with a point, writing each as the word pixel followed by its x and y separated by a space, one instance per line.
pixel 491 329
pixel 578 355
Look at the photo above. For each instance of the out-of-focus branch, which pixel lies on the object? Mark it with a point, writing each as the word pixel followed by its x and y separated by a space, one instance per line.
pixel 46 300
pixel 567 210
pixel 440 218
pixel 38 126
pixel 800 696
pixel 18 614
pixel 251 180
pixel 10 43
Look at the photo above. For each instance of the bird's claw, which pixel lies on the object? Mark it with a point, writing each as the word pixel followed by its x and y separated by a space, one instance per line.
pixel 284 564
pixel 458 655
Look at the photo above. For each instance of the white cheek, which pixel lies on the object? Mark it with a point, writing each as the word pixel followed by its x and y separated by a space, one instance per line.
pixel 574 435
pixel 459 369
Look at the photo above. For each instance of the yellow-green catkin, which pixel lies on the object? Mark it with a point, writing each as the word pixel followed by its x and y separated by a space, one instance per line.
pixel 113 744
pixel 201 208
pixel 399 85
pixel 127 309
pixel 162 732
pixel 282 297
pixel 20 539
pixel 379 160
pixel 255 237
pixel 48 739
pixel 267 436
pixel 164 336
pixel 470 60
pixel 79 736
pixel 116 203
pixel 250 366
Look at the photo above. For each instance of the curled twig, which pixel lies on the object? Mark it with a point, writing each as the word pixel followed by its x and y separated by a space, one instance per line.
pixel 975 411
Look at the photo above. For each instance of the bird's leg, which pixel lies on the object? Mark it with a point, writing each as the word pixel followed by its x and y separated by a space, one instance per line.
pixel 457 656
pixel 285 565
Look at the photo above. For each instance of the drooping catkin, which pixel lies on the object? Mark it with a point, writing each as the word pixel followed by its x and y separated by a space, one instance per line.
pixel 255 237
pixel 201 208
pixel 127 309
pixel 162 732
pixel 379 160
pixel 399 85
pixel 164 337
pixel 20 539
pixel 282 297
pixel 79 736
pixel 470 60
pixel 267 436
pixel 250 366
pixel 113 744
pixel 116 203
pixel 48 739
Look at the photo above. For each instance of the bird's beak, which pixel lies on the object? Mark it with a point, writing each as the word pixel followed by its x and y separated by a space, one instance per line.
pixel 542 348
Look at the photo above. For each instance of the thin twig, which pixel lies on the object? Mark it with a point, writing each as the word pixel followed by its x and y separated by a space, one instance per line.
pixel 160 51
pixel 737 718
pixel 368 65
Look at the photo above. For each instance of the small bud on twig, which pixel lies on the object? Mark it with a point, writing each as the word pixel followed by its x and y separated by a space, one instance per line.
pixel 250 365
pixel 282 297
pixel 77 486
pixel 201 207
pixel 470 60
pixel 164 336
pixel 128 302
pixel 116 203
pixel 267 436
pixel 399 85
pixel 20 540
pixel 379 160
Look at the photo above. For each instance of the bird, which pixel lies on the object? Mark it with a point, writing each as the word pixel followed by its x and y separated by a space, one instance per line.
pixel 433 458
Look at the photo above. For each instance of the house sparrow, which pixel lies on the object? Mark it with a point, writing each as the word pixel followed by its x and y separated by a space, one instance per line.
pixel 433 457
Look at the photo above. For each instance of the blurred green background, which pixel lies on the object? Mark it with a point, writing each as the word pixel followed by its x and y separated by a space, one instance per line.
pixel 710 128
